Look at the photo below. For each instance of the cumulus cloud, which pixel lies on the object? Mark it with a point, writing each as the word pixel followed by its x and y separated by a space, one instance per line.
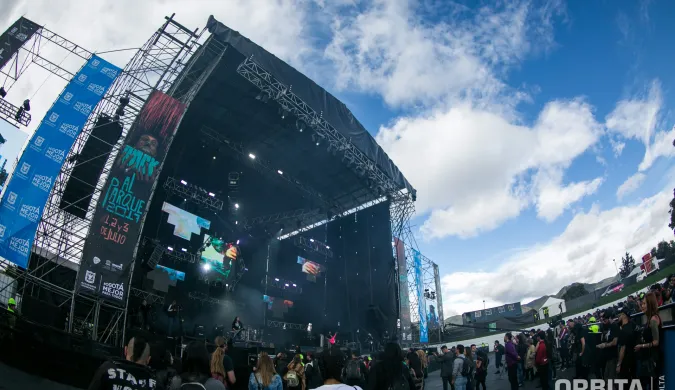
pixel 582 253
pixel 631 184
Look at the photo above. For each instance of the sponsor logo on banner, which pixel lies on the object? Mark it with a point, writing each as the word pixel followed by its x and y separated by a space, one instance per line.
pixel 110 266
pixel 67 96
pixel 112 73
pixel 39 141
pixel 83 108
pixel 42 182
pixel 31 213
pixel 96 260
pixel 11 198
pixel 24 170
pixel 97 89
pixel 19 245
pixel 20 36
pixel 82 78
pixel 69 130
pixel 113 290
pixel 599 384
pixel 89 281
pixel 95 63
pixel 56 155
pixel 53 118
pixel 2 230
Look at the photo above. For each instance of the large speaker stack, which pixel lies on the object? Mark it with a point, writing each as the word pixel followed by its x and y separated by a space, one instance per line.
pixel 89 165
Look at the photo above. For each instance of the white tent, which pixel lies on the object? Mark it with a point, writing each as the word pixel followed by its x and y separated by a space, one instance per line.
pixel 555 306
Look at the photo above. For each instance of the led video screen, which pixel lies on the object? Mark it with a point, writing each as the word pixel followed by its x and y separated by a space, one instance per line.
pixel 278 306
pixel 219 255
pixel 173 274
pixel 185 224
pixel 311 268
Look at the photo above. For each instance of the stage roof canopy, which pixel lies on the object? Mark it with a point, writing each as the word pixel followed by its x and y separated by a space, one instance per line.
pixel 333 110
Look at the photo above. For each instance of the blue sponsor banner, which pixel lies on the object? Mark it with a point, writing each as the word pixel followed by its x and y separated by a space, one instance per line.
pixel 421 302
pixel 41 161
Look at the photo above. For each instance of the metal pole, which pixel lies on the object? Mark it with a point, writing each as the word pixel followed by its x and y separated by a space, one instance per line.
pixel 126 304
pixel 97 312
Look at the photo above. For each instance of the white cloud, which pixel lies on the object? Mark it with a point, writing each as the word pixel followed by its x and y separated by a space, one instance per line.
pixel 631 184
pixel 662 146
pixel 554 198
pixel 582 253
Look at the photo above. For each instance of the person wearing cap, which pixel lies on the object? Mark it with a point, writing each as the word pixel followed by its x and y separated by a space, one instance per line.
pixel 11 305
pixel 608 346
pixel 594 328
pixel 625 365
pixel 11 308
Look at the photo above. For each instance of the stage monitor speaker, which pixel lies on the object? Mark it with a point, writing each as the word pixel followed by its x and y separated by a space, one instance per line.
pixel 89 165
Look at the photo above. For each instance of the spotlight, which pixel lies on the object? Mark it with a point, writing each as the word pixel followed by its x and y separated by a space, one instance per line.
pixel 236 205
pixel 311 240
pixel 327 247
pixel 169 248
pixel 251 156
pixel 214 157
pixel 236 222
pixel 286 284
pixel 300 125
pixel 237 242
pixel 3 93
pixel 295 285
pixel 183 249
pixel 279 171
pixel 276 279
pixel 227 285
pixel 206 266
pixel 26 105
pixel 124 101
pixel 183 182
pixel 211 194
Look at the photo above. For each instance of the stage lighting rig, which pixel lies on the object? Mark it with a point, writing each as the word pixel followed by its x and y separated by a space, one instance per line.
pixel 313 245
pixel 429 294
pixel 13 114
pixel 193 193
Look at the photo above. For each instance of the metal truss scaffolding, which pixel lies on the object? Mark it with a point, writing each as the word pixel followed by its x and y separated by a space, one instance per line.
pixel 195 194
pixel 159 65
pixel 285 325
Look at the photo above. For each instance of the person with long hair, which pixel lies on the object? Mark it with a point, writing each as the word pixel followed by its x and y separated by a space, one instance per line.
pixel 390 372
pixel 542 361
pixel 471 383
pixel 649 349
pixel 265 376
pixel 222 367
pixel 196 369
pixel 529 360
pixel 331 365
pixel 295 376
pixel 425 362
pixel 415 365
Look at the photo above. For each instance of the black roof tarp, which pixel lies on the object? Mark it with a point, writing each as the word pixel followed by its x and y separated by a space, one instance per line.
pixel 334 111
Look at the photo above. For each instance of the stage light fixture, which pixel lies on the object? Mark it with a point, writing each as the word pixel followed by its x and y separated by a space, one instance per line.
pixel 295 285
pixel 286 285
pixel 169 248
pixel 276 279
pixel 211 194
pixel 327 247
pixel 311 240
pixel 3 92
pixel 237 242
pixel 279 171
pixel 236 205
pixel 206 266
pixel 214 157
pixel 300 125
pixel 26 104
pixel 183 249
pixel 251 156
pixel 236 222
pixel 183 182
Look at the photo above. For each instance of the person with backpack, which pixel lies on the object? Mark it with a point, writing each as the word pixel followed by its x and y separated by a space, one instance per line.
pixel 461 369
pixel 481 371
pixel 354 372
pixel 512 359
pixel 446 360
pixel 390 372
pixel 332 366
pixel 196 370
pixel 264 376
pixel 313 376
pixel 295 376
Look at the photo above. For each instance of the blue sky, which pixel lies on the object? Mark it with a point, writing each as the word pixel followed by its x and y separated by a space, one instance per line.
pixel 538 133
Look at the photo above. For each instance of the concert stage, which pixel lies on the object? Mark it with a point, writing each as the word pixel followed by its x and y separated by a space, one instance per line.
pixel 234 185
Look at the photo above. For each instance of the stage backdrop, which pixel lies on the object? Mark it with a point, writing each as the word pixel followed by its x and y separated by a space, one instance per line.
pixel 29 187
pixel 116 227
pixel 404 298
pixel 16 35
pixel 421 301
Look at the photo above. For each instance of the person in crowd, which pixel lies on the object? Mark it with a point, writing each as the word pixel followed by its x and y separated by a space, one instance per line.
pixel 471 382
pixel 222 367
pixel 499 352
pixel 550 348
pixel 162 363
pixel 390 373
pixel 542 361
pixel 425 362
pixel 481 371
pixel 631 304
pixel 458 378
pixel 625 365
pixel 332 365
pixel 313 376
pixel 132 372
pixel 281 364
pixel 295 375
pixel 648 351
pixel 144 315
pixel 355 371
pixel 582 361
pixel 446 360
pixel 264 376
pixel 415 365
pixel 511 360
pixel 196 370
pixel 521 348
pixel 608 345
pixel 529 360
pixel 564 351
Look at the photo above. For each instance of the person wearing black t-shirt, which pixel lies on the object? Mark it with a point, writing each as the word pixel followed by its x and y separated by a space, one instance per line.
pixel 131 373
pixel 228 365
pixel 625 366
pixel 608 345
pixel 237 326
